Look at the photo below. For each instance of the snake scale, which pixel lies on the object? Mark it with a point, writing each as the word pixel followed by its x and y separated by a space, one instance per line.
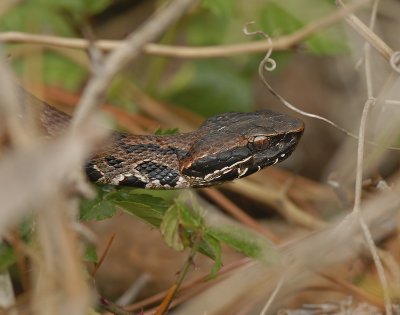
pixel 225 147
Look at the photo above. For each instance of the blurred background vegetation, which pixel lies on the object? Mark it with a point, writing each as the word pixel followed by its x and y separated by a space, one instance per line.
pixel 206 87
pixel 318 75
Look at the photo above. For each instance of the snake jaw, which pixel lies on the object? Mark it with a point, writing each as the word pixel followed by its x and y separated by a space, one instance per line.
pixel 243 153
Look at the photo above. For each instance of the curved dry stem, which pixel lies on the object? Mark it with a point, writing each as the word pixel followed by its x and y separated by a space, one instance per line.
pixel 359 171
pixel 281 43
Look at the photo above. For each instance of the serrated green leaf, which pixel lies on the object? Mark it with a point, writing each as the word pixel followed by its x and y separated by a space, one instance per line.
pixel 98 208
pixel 160 205
pixel 90 254
pixel 244 241
pixel 181 225
pixel 7 256
pixel 170 229
pixel 215 246
pixel 148 208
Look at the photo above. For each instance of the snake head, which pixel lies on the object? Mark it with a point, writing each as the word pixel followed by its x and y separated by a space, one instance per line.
pixel 237 146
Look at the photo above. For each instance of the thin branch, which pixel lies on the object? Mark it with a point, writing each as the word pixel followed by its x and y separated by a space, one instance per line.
pixel 368 34
pixel 190 284
pixel 126 52
pixel 367 52
pixel 273 296
pixel 165 304
pixel 281 43
pixel 103 255
pixel 356 209
pixel 240 215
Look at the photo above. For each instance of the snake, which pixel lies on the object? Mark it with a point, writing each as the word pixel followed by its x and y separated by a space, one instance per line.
pixel 225 147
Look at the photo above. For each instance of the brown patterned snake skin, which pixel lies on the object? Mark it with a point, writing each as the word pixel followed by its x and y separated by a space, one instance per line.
pixel 225 147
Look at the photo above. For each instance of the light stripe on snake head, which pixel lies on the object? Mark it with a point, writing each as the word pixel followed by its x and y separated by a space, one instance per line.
pixel 240 150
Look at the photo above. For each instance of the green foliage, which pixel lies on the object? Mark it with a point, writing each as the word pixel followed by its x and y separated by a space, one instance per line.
pixel 278 19
pixel 90 254
pixel 7 256
pixel 30 17
pixel 206 87
pixel 148 208
pixel 50 15
pixel 180 224
pixel 240 239
pixel 98 208
pixel 210 87
pixel 220 7
pixel 7 253
pixel 206 29
pixel 54 17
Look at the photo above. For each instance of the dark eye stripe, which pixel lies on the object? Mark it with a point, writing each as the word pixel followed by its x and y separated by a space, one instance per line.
pixel 210 164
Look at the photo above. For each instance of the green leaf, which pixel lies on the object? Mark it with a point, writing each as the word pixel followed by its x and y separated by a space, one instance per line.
pixel 328 42
pixel 90 254
pixel 81 7
pixel 210 87
pixel 170 229
pixel 149 208
pixel 63 72
pixel 215 246
pixel 276 21
pixel 281 18
pixel 181 225
pixel 7 256
pixel 242 240
pixel 29 17
pixel 98 208
pixel 206 29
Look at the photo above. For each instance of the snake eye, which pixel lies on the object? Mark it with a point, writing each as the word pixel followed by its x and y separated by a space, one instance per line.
pixel 259 142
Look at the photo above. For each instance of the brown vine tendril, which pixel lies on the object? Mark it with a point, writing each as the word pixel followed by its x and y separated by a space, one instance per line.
pixel 269 64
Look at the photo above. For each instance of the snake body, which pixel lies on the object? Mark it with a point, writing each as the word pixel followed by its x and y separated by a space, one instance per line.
pixel 225 147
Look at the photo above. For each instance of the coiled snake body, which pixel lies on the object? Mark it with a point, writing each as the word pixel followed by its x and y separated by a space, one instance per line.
pixel 225 147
